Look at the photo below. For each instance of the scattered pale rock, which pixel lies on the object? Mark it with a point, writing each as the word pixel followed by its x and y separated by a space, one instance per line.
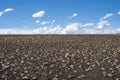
pixel 110 74
pixel 25 56
pixel 104 73
pixel 22 61
pixel 5 66
pixel 52 65
pixel 71 66
pixel 55 78
pixel 66 55
pixel 82 76
pixel 103 68
pixel 88 69
pixel 25 77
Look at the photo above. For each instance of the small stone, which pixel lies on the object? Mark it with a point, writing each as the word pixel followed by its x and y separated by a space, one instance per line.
pixel 80 66
pixel 22 61
pixel 88 69
pixel 31 58
pixel 21 74
pixel 26 71
pixel 14 72
pixel 25 56
pixel 17 78
pixel 103 68
pixel 3 76
pixel 118 66
pixel 25 77
pixel 109 74
pixel 75 71
pixel 104 73
pixel 17 50
pixel 11 57
pixel 71 76
pixel 78 51
pixel 115 62
pixel 34 78
pixel 73 55
pixel 104 50
pixel 66 55
pixel 93 66
pixel 52 65
pixel 97 63
pixel 13 65
pixel 82 76
pixel 5 66
pixel 88 63
pixel 55 78
pixel 71 66
pixel 118 48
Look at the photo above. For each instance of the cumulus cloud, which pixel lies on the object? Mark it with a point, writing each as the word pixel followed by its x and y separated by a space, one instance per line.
pixel 45 30
pixel 103 24
pixel 106 16
pixel 5 11
pixel 72 27
pixel 38 14
pixel 74 15
pixel 68 29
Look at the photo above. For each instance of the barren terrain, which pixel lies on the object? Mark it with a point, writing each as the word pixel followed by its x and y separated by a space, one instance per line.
pixel 60 57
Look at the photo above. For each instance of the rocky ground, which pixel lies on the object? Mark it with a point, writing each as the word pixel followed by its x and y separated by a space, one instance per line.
pixel 60 57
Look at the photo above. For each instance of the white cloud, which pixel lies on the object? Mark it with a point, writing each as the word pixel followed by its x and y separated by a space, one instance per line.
pixel 45 22
pixel 15 31
pixel 119 12
pixel 45 30
pixel 37 21
pixel 5 11
pixel 8 9
pixel 103 24
pixel 74 15
pixel 38 14
pixel 53 21
pixel 72 27
pixel 88 24
pixel 1 13
pixel 106 16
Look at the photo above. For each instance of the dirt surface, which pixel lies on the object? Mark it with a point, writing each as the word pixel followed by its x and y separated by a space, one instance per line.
pixel 60 57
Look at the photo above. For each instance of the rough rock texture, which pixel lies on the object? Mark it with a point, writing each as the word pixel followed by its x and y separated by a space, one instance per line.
pixel 60 57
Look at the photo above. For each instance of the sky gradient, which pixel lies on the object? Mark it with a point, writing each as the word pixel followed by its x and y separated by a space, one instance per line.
pixel 59 16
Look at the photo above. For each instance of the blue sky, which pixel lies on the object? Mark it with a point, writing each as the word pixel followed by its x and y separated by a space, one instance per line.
pixel 59 16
